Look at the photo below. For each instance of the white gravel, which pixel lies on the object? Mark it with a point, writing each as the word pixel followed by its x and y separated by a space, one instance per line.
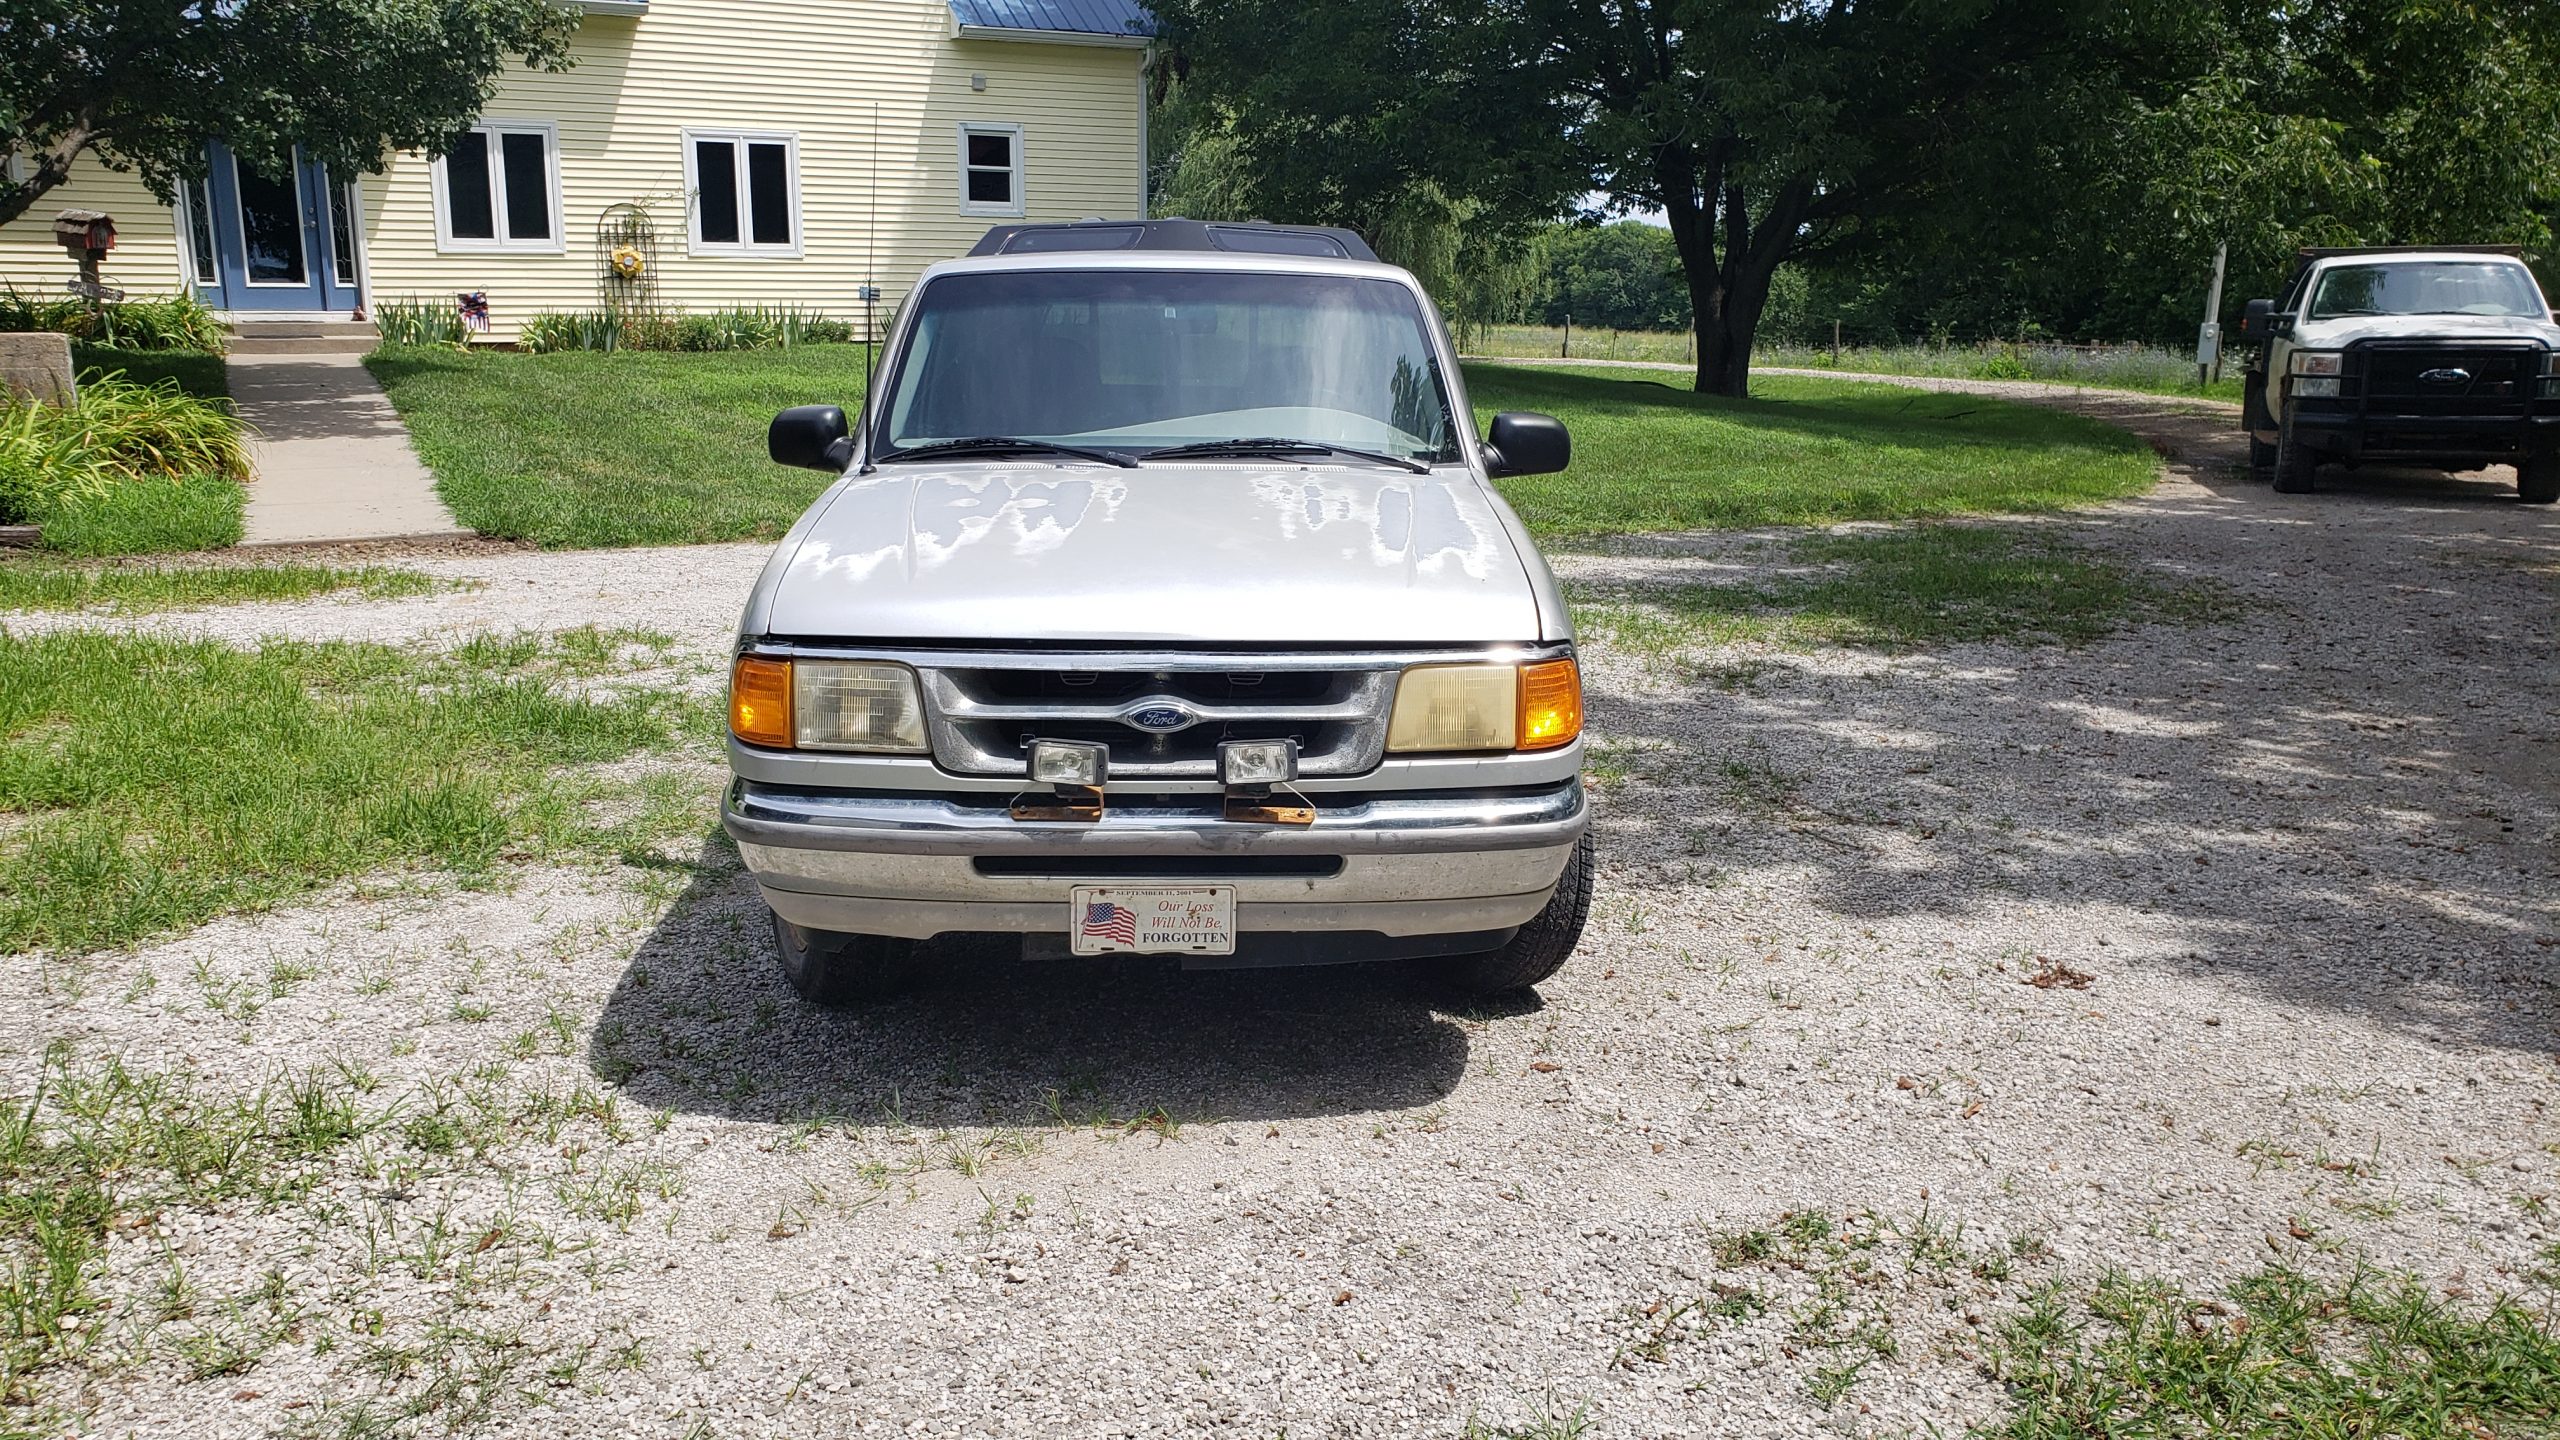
pixel 2309 861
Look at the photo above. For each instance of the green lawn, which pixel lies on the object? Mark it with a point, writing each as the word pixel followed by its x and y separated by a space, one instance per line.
pixel 583 448
pixel 588 449
pixel 1648 456
pixel 148 785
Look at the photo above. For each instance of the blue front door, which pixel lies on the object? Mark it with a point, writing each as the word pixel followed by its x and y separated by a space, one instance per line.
pixel 271 242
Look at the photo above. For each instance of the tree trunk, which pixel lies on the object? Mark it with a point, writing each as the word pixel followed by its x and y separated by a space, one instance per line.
pixel 1728 292
pixel 52 167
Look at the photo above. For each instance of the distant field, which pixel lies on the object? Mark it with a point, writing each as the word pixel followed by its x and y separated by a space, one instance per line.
pixel 2128 367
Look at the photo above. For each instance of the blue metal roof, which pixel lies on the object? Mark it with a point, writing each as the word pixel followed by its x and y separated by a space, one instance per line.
pixel 1068 17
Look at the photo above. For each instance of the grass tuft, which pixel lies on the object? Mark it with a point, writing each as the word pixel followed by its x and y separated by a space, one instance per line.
pixel 40 584
pixel 1904 589
pixel 2281 1355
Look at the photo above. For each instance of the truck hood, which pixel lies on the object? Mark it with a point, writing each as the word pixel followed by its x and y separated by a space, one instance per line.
pixel 2346 330
pixel 1211 554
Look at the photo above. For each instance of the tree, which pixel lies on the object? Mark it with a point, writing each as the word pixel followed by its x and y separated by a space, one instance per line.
pixel 1623 276
pixel 1764 130
pixel 143 84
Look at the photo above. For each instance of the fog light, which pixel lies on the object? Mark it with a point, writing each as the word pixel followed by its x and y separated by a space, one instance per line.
pixel 2551 389
pixel 2307 387
pixel 1069 762
pixel 1258 762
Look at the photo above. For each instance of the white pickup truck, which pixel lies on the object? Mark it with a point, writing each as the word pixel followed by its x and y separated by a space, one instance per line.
pixel 1163 604
pixel 2445 356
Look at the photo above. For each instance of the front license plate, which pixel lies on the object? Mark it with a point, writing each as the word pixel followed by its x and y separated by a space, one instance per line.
pixel 1153 920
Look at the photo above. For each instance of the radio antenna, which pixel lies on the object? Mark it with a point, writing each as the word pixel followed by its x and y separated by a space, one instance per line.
pixel 870 293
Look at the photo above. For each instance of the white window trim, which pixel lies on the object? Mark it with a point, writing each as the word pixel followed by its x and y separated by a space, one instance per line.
pixel 558 241
pixel 1013 134
pixel 743 247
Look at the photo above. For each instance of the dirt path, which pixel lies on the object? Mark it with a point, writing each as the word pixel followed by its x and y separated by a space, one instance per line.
pixel 2292 883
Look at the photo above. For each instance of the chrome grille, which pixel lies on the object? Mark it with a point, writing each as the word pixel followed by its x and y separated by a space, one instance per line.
pixel 1163 720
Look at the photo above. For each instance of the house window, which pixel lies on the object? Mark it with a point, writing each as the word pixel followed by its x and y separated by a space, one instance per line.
pixel 195 202
pixel 746 191
pixel 499 189
pixel 990 169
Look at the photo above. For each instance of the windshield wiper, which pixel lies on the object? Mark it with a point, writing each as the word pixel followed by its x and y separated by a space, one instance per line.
pixel 1275 445
pixel 1005 445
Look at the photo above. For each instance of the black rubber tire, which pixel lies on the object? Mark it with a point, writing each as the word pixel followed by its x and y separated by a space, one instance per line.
pixel 835 970
pixel 2296 464
pixel 2262 460
pixel 2538 480
pixel 1541 947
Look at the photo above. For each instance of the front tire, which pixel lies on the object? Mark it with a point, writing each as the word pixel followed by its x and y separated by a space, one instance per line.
pixel 2296 463
pixel 1540 948
pixel 2538 480
pixel 834 970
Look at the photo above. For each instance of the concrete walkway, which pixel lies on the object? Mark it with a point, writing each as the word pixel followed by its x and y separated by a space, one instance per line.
pixel 332 459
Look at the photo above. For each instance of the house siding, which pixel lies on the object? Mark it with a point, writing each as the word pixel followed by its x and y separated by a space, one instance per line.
pixel 815 68
pixel 144 262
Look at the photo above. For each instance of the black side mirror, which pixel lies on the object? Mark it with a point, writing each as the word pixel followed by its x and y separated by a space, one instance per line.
pixel 2257 321
pixel 813 437
pixel 1522 443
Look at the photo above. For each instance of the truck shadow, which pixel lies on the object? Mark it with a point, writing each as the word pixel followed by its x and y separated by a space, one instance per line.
pixel 702 1022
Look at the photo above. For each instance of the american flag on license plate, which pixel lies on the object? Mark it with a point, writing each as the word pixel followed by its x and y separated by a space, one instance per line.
pixel 1106 921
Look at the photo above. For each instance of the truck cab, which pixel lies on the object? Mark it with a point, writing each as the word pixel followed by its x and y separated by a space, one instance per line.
pixel 2443 356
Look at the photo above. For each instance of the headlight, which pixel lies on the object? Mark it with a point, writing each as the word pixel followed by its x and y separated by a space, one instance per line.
pixel 1534 706
pixel 2319 362
pixel 2551 363
pixel 2308 387
pixel 826 705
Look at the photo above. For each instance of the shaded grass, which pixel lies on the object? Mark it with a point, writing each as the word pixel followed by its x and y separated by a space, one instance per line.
pixel 583 449
pixel 44 585
pixel 146 517
pixel 1902 590
pixel 164 782
pixel 201 373
pixel 2283 1356
pixel 1800 452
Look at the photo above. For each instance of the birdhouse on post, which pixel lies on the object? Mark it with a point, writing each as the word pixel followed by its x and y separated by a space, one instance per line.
pixel 88 235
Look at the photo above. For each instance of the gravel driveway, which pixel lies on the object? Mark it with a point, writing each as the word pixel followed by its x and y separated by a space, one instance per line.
pixel 2186 952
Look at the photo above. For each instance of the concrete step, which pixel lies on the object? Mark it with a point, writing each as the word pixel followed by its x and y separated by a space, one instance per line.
pixel 303 337
pixel 303 344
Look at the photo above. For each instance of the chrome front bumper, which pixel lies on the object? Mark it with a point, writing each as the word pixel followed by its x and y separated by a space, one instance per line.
pixel 909 864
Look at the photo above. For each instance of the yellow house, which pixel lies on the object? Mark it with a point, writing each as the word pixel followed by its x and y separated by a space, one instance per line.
pixel 701 154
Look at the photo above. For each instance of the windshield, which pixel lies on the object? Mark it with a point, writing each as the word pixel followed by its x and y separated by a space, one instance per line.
pixel 1141 360
pixel 2427 287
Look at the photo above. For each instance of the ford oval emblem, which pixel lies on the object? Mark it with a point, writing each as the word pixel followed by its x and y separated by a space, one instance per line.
pixel 2449 375
pixel 1162 719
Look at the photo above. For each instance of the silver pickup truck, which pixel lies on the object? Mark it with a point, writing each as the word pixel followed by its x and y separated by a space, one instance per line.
pixel 1163 605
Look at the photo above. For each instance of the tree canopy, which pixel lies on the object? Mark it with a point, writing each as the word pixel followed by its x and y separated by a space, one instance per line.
pixel 1981 166
pixel 143 84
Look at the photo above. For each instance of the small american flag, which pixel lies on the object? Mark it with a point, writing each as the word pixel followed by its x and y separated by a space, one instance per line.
pixel 1106 921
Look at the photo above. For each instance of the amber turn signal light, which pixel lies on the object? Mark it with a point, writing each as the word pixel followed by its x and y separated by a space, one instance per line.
pixel 760 702
pixel 1550 704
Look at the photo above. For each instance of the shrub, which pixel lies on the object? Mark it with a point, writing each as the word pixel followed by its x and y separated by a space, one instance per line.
pixel 158 322
pixel 419 322
pixel 584 330
pixel 757 328
pixel 116 432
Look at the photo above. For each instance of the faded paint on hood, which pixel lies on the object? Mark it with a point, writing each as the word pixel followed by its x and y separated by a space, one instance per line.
pixel 1211 554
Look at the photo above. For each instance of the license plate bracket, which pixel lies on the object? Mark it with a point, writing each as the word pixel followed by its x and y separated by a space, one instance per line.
pixel 1152 920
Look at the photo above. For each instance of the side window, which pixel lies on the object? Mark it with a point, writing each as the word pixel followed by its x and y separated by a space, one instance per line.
pixel 746 192
pixel 990 169
pixel 498 188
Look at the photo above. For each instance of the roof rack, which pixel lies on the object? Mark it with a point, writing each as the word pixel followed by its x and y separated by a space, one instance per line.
pixel 1250 237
